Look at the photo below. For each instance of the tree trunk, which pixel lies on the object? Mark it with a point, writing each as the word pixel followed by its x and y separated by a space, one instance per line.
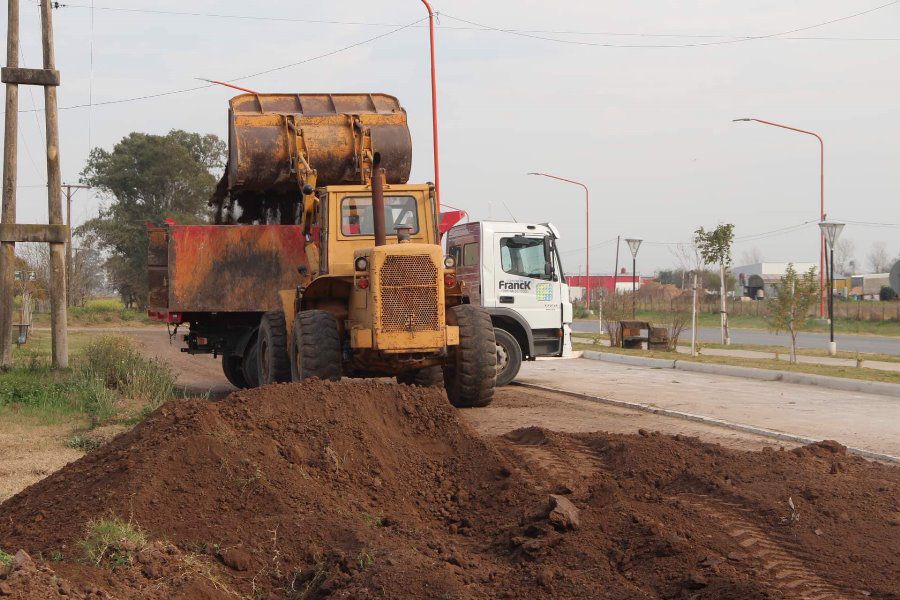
pixel 726 339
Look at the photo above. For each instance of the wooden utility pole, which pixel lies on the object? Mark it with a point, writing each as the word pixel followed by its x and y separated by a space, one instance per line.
pixel 56 233
pixel 10 180
pixel 70 265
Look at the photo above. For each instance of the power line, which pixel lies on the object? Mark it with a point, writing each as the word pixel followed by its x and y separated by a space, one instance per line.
pixel 456 28
pixel 243 77
pixel 870 223
pixel 691 45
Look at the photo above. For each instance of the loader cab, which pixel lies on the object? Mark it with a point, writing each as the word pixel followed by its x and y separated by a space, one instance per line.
pixel 348 221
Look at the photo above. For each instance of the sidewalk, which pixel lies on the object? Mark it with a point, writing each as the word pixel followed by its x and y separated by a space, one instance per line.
pixel 784 356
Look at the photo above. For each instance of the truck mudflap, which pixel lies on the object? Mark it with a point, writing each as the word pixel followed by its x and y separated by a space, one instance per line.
pixel 222 268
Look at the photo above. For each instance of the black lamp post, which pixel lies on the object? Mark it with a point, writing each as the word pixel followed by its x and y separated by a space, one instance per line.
pixel 633 245
pixel 831 231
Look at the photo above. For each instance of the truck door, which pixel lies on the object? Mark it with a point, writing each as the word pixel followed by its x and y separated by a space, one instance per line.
pixel 527 280
pixel 464 245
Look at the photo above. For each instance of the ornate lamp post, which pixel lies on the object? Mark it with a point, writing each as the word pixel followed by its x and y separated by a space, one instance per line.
pixel 831 231
pixel 633 245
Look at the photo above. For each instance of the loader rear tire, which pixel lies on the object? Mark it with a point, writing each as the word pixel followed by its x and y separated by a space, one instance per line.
pixel 427 377
pixel 509 356
pixel 274 366
pixel 234 373
pixel 471 370
pixel 316 346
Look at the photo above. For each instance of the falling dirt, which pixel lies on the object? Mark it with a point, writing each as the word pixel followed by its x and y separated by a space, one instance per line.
pixel 364 489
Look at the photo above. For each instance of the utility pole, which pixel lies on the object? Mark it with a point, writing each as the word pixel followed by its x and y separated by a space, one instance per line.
pixel 10 172
pixel 70 265
pixel 56 232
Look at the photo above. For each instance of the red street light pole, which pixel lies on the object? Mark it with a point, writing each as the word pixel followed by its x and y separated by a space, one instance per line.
pixel 587 231
pixel 821 202
pixel 434 122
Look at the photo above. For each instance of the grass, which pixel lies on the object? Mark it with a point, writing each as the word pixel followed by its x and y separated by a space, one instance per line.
pixel 886 328
pixel 112 541
pixel 760 363
pixel 5 559
pixel 107 373
pixel 100 312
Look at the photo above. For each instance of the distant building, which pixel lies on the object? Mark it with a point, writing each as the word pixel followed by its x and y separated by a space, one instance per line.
pixel 622 282
pixel 758 280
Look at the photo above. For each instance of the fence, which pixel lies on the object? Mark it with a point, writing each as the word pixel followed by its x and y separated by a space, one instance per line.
pixel 864 310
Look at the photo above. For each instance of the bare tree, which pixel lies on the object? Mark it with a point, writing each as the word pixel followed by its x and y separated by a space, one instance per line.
pixel 843 256
pixel 751 257
pixel 879 259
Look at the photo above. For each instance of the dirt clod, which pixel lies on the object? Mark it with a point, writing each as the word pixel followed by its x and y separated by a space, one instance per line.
pixel 563 514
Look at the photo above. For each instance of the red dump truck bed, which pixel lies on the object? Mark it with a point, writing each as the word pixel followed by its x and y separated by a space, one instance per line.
pixel 221 268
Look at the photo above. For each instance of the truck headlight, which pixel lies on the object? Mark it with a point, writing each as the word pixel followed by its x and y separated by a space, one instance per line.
pixel 361 263
pixel 449 262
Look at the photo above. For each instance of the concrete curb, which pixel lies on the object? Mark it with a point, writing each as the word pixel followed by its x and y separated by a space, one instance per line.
pixel 761 431
pixel 834 383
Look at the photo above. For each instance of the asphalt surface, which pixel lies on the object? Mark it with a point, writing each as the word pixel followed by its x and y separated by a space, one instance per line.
pixel 845 342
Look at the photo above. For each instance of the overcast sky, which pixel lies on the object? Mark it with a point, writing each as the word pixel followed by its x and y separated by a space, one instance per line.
pixel 649 129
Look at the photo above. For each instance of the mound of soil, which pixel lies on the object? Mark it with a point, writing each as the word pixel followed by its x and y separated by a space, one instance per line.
pixel 364 489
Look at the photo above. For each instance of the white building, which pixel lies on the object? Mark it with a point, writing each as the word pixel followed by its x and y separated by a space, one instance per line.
pixel 758 280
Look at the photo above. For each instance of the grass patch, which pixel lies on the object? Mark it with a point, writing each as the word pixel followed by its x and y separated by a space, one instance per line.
pixel 83 443
pixel 5 559
pixel 760 363
pixel 100 312
pixel 112 542
pixel 107 373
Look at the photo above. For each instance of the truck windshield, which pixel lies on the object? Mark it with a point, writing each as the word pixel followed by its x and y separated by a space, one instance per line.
pixel 524 257
pixel 356 215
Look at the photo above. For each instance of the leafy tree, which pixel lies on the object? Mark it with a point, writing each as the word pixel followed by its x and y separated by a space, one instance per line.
pixel 796 294
pixel 715 249
pixel 887 293
pixel 145 179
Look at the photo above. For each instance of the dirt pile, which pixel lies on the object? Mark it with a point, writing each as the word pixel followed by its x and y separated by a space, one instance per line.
pixel 362 489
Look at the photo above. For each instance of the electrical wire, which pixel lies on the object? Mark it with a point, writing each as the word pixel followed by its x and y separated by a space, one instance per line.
pixel 691 45
pixel 450 27
pixel 243 77
pixel 870 223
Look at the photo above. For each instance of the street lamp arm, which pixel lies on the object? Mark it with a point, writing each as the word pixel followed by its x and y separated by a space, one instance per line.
pixel 561 179
pixel 434 113
pixel 773 124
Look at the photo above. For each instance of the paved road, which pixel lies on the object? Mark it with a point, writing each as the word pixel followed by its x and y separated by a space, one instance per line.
pixel 845 342
pixel 867 421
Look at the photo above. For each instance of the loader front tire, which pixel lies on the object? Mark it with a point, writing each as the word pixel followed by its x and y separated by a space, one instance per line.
pixel 470 373
pixel 274 366
pixel 316 346
pixel 427 377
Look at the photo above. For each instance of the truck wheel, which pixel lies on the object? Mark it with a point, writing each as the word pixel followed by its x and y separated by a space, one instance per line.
pixel 509 356
pixel 273 364
pixel 427 377
pixel 251 364
pixel 471 370
pixel 316 346
pixel 231 366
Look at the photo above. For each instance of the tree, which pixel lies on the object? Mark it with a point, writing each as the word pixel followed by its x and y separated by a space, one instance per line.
pixel 879 259
pixel 887 293
pixel 715 249
pixel 145 179
pixel 796 294
pixel 843 256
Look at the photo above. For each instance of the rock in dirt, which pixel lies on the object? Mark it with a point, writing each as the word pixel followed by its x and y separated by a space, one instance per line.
pixel 563 514
pixel 236 559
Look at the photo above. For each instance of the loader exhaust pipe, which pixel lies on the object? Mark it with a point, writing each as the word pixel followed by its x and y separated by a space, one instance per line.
pixel 378 200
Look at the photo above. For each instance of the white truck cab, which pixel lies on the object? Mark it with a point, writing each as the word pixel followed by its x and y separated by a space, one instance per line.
pixel 514 272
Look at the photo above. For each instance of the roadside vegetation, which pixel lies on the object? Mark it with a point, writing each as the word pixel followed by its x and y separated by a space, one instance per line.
pixel 112 542
pixel 109 381
pixel 760 363
pixel 103 312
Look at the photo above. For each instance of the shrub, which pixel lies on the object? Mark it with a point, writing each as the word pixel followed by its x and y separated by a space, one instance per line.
pixel 114 361
pixel 113 541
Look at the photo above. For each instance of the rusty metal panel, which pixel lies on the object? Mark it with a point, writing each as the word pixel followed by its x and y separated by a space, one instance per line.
pixel 232 268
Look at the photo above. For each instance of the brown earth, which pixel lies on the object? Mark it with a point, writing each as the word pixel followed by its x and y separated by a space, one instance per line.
pixel 364 489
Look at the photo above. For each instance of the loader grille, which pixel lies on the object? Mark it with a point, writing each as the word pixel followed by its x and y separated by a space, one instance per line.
pixel 409 294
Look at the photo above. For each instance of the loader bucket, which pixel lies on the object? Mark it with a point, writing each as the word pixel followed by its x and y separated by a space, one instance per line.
pixel 276 141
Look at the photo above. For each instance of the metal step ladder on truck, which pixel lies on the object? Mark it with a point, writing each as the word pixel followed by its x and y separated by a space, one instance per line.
pixel 514 272
pixel 323 261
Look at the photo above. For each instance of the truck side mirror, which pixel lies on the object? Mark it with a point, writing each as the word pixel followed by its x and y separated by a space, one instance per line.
pixel 548 259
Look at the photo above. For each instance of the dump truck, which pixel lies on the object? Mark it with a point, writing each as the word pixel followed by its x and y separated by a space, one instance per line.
pixel 513 270
pixel 323 260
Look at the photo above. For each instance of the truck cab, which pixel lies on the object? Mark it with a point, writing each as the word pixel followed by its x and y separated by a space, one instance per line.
pixel 513 270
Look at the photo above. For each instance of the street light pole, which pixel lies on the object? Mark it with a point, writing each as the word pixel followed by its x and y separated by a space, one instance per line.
pixel 70 265
pixel 587 231
pixel 830 232
pixel 633 244
pixel 821 201
pixel 434 118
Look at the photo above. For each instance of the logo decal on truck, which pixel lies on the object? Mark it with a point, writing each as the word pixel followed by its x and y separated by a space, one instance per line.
pixel 544 292
pixel 517 285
